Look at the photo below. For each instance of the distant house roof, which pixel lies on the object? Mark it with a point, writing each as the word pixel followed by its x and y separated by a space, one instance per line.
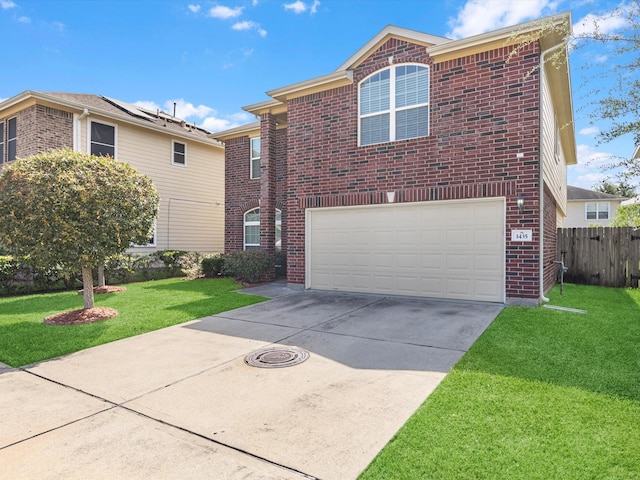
pixel 576 193
pixel 109 107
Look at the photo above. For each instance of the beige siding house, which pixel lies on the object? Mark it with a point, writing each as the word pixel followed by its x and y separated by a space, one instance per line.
pixel 587 208
pixel 185 164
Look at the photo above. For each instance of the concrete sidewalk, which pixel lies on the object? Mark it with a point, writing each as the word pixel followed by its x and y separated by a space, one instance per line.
pixel 181 402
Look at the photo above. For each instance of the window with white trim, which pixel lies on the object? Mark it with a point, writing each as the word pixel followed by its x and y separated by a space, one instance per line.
pixel 255 158
pixel 179 153
pixel 252 229
pixel 597 211
pixel 1 142
pixel 393 104
pixel 12 136
pixel 102 139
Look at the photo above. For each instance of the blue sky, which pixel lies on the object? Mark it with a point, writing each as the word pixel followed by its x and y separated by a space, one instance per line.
pixel 213 58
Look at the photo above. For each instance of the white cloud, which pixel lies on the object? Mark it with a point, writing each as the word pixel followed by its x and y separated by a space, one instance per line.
pixel 6 4
pixel 24 19
pixel 479 16
pixel 591 131
pixel 206 117
pixel 3 99
pixel 604 24
pixel 186 109
pixel 58 26
pixel 220 11
pixel 589 158
pixel 249 25
pixel 299 6
pixel 194 8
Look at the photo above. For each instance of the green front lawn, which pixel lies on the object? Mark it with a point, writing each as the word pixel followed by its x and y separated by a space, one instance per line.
pixel 143 307
pixel 543 394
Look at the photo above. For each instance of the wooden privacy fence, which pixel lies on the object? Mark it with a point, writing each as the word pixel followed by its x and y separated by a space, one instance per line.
pixel 607 256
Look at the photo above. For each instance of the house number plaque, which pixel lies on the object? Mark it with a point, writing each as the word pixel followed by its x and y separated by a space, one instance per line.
pixel 521 235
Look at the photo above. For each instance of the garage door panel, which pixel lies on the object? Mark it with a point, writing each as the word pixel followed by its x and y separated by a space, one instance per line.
pixel 448 249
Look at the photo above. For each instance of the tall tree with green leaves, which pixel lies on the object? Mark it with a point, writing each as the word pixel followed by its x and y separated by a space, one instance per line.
pixel 627 216
pixel 621 189
pixel 70 208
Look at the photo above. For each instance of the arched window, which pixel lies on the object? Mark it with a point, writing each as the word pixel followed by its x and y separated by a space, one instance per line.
pixel 252 229
pixel 393 104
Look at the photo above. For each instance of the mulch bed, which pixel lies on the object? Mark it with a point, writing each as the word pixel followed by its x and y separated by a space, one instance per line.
pixel 81 316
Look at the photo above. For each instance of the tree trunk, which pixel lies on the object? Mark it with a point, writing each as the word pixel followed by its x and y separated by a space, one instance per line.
pixel 87 285
pixel 101 280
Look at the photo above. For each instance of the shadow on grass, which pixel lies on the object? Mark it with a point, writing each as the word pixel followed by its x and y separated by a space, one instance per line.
pixel 597 351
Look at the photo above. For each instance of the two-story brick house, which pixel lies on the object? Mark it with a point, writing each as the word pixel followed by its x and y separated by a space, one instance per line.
pixel 422 166
pixel 185 164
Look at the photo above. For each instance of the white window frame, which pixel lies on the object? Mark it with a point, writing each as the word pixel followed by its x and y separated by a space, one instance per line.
pixel 254 223
pixel 2 129
pixel 597 211
pixel 12 139
pixel 253 174
pixel 115 136
pixel 393 110
pixel 173 153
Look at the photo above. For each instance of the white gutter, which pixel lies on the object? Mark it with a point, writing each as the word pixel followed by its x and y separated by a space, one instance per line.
pixel 541 180
pixel 77 135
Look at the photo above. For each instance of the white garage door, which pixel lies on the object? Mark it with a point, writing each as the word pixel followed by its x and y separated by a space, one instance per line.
pixel 447 249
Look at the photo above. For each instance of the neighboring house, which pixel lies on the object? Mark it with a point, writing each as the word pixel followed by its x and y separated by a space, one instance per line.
pixel 589 208
pixel 401 172
pixel 185 164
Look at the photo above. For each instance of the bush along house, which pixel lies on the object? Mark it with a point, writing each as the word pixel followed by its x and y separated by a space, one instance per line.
pixel 422 166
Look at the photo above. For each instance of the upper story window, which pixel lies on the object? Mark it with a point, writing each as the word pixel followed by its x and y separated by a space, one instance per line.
pixel 597 211
pixel 179 153
pixel 103 139
pixel 1 142
pixel 393 104
pixel 255 158
pixel 12 135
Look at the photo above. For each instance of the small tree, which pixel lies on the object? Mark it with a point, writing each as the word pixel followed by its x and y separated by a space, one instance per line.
pixel 627 216
pixel 70 208
pixel 622 189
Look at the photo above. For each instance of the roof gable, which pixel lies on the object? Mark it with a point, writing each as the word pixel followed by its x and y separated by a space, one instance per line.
pixel 383 36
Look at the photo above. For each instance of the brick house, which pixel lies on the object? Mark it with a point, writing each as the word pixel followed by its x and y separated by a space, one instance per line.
pixel 413 169
pixel 185 164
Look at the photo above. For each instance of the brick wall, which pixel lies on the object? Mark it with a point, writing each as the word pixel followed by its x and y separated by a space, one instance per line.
pixel 484 114
pixel 41 128
pixel 242 193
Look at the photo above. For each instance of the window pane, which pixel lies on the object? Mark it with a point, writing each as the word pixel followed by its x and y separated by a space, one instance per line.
pixel 12 129
pixel 412 123
pixel 103 133
pixel 252 216
pixel 255 148
pixel 1 142
pixel 255 168
pixel 412 85
pixel 375 93
pixel 374 129
pixel 102 150
pixel 252 234
pixel 179 153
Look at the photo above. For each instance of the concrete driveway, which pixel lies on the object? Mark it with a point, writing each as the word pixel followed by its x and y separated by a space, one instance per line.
pixel 182 403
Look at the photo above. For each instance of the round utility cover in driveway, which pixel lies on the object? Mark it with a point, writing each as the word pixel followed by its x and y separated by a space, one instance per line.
pixel 276 357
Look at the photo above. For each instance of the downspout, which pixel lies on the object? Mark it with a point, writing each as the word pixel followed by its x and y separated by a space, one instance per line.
pixel 78 130
pixel 541 180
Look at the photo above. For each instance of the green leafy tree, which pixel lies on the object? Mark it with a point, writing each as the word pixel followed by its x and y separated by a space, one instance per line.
pixel 622 189
pixel 627 216
pixel 70 208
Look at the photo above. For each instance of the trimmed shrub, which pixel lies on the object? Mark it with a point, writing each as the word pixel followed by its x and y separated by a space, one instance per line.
pixel 171 260
pixel 190 264
pixel 9 267
pixel 120 268
pixel 212 267
pixel 249 266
